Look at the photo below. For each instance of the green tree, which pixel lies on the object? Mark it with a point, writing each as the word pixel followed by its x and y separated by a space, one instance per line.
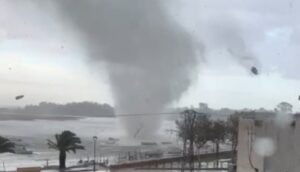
pixel 6 145
pixel 203 124
pixel 65 142
pixel 233 131
pixel 217 135
pixel 284 107
pixel 202 127
pixel 187 127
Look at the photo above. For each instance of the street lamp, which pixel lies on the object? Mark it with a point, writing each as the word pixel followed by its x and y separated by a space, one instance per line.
pixel 95 140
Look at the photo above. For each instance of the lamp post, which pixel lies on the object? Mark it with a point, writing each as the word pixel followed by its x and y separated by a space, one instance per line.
pixel 95 140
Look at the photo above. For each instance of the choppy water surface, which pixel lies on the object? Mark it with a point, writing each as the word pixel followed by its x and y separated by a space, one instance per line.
pixel 35 133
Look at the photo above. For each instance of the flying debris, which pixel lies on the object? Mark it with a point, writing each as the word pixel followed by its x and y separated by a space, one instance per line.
pixel 254 70
pixel 19 97
pixel 138 131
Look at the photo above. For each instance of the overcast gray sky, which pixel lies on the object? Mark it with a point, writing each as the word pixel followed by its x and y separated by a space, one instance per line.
pixel 43 59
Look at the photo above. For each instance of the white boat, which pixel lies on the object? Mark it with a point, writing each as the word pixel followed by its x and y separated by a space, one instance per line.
pixel 172 152
pixel 21 149
pixel 111 141
pixel 148 143
pixel 166 143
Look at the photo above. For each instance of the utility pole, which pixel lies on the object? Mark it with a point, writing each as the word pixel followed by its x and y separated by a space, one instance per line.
pixel 4 167
pixel 95 140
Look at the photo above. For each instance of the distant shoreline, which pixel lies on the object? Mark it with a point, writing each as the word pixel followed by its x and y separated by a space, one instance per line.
pixel 54 111
pixel 31 117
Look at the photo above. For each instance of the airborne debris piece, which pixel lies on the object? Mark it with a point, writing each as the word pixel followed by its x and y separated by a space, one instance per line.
pixel 254 70
pixel 138 131
pixel 19 97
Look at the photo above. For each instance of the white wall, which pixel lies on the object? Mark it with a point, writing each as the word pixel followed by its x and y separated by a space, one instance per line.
pixel 243 164
pixel 286 158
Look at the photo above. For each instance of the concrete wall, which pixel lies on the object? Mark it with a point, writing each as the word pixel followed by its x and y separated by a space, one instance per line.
pixel 287 140
pixel 243 148
pixel 286 158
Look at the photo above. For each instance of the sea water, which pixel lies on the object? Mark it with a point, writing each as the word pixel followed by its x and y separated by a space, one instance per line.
pixel 34 135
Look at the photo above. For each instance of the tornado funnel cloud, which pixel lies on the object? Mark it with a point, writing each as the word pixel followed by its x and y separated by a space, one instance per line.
pixel 148 55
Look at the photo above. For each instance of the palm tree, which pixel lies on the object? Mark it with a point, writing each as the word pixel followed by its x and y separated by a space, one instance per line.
pixel 6 145
pixel 65 142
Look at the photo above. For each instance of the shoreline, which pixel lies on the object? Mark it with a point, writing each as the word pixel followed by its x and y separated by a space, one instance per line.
pixel 52 117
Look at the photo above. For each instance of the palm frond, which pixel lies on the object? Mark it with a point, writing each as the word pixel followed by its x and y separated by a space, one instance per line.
pixel 73 148
pixel 66 141
pixel 52 145
pixel 6 145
